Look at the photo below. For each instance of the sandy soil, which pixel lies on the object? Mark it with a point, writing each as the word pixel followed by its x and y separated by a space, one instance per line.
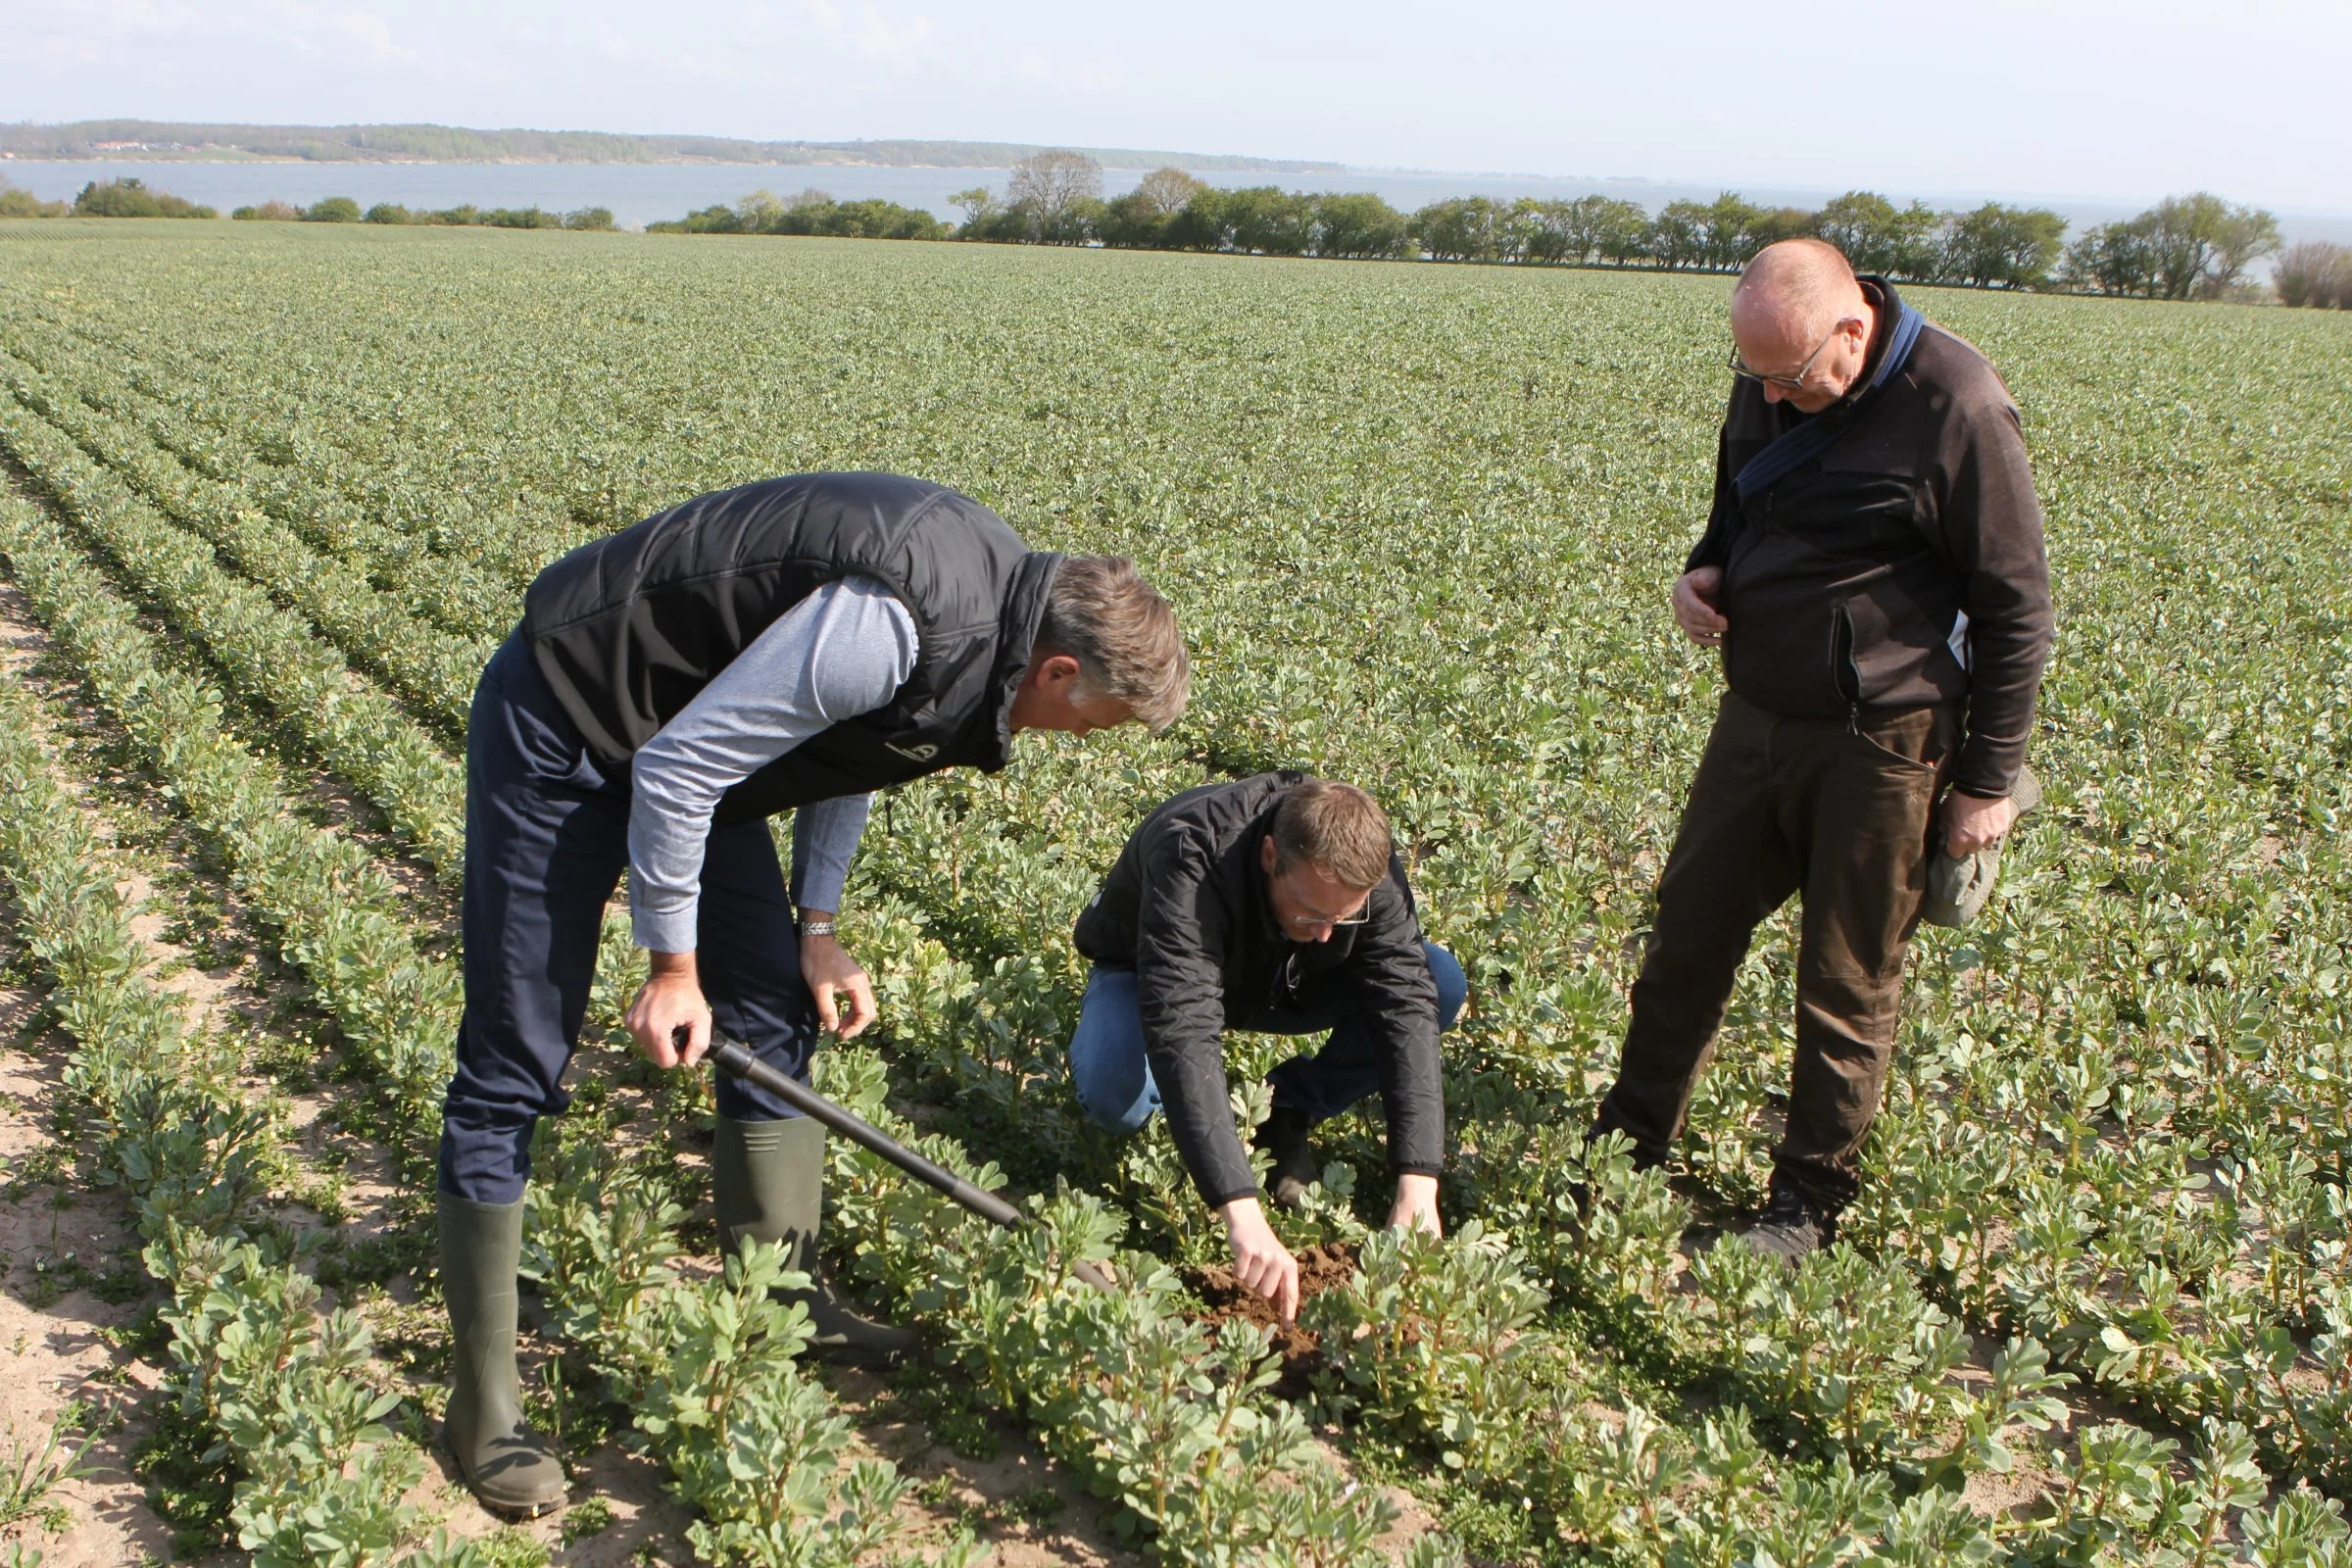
pixel 55 1344
pixel 61 1243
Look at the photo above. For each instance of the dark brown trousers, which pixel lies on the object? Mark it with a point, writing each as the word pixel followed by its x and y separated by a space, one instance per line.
pixel 1836 812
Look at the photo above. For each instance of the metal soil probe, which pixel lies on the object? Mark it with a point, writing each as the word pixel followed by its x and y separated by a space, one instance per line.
pixel 734 1058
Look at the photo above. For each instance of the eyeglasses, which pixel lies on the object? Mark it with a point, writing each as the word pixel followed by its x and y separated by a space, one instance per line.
pixel 1303 922
pixel 1311 923
pixel 1794 383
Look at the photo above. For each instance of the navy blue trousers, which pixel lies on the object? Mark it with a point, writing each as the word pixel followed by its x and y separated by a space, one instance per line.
pixel 1112 1076
pixel 546 836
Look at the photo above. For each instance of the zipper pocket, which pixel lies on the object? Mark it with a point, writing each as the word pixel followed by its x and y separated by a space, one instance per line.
pixel 1845 674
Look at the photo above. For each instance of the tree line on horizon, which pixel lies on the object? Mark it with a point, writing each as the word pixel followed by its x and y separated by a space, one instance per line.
pixel 344 209
pixel 2197 246
pixel 130 197
pixel 2190 247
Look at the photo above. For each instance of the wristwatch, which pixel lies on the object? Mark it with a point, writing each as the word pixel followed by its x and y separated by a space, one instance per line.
pixel 816 928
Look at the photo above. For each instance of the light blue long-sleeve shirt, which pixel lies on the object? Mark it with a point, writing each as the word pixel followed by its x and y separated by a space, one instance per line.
pixel 843 651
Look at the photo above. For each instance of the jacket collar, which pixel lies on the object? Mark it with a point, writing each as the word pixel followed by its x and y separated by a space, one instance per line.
pixel 1889 311
pixel 1259 886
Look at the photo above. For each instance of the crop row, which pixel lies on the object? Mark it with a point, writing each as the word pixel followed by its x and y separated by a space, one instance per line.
pixel 1448 1343
pixel 280 1384
pixel 266 652
pixel 326 902
pixel 430 667
pixel 2137 1066
pixel 2184 1301
pixel 1932 1372
pixel 333 913
pixel 623 1329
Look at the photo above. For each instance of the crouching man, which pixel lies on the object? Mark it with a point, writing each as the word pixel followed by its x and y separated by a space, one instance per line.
pixel 1274 905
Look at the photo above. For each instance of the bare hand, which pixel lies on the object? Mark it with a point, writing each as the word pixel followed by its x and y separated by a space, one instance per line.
pixel 1416 1204
pixel 834 977
pixel 1971 822
pixel 1695 595
pixel 1260 1259
pixel 669 1013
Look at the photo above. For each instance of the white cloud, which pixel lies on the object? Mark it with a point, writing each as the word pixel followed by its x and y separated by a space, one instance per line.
pixel 900 43
pixel 373 35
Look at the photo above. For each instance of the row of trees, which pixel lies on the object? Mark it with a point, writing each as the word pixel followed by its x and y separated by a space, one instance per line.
pixel 344 209
pixel 2186 247
pixel 131 198
pixel 811 211
pixel 1057 199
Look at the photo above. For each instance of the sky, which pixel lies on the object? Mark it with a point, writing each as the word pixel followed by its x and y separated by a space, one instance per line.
pixel 2094 99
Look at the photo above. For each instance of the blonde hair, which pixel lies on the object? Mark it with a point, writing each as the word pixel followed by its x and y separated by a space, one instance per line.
pixel 1336 828
pixel 1123 634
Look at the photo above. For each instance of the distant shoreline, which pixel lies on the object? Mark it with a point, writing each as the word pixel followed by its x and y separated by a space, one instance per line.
pixel 287 161
pixel 185 141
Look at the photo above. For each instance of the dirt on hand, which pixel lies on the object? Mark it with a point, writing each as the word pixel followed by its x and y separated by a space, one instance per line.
pixel 1320 1268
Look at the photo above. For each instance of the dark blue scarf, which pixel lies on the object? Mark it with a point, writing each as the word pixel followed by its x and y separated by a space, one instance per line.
pixel 1809 440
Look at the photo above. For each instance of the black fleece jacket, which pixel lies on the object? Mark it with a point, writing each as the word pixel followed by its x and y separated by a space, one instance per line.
pixel 1904 566
pixel 1185 908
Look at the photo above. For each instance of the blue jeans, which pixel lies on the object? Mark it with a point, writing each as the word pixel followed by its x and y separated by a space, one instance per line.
pixel 547 834
pixel 1114 1079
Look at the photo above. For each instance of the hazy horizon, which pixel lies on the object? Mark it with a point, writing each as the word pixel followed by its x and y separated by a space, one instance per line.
pixel 2100 102
pixel 2105 203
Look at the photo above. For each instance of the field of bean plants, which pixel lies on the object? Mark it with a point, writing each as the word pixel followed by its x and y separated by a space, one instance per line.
pixel 271 497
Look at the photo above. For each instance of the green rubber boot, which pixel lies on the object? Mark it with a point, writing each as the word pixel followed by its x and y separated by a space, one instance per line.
pixel 510 1468
pixel 767 1181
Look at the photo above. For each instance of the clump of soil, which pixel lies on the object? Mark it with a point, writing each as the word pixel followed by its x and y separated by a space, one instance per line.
pixel 1320 1268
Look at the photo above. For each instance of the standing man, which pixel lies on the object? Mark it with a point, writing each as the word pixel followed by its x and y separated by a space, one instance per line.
pixel 791 645
pixel 1274 903
pixel 1872 571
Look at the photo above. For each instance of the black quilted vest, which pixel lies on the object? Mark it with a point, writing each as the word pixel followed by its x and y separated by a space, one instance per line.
pixel 629 628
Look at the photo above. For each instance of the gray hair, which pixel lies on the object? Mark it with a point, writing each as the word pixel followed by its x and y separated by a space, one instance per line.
pixel 1123 634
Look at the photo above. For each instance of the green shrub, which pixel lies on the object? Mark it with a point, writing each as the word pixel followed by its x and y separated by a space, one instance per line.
pixel 332 209
pixel 130 198
pixel 390 213
pixel 589 217
pixel 812 212
pixel 17 202
pixel 268 212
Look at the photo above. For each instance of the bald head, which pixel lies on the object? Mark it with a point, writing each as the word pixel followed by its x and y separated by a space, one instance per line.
pixel 1798 288
pixel 1799 310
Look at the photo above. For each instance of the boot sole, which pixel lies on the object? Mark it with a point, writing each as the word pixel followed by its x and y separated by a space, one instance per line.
pixel 502 1509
